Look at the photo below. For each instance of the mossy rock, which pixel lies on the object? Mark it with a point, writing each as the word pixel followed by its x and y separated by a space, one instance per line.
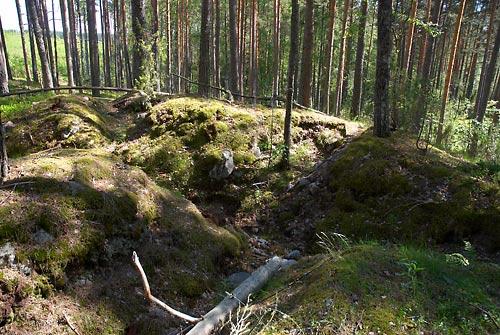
pixel 87 198
pixel 385 189
pixel 66 121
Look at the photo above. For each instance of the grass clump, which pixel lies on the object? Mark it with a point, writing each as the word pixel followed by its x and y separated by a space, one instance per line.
pixel 388 289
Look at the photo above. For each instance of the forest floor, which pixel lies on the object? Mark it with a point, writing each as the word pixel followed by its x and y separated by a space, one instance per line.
pixel 392 240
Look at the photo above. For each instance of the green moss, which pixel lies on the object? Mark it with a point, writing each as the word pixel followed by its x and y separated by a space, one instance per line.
pixel 373 283
pixel 69 121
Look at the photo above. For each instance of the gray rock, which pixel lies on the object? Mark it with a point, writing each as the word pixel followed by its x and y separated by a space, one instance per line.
pixel 303 182
pixel 42 237
pixel 294 254
pixel 236 279
pixel 225 168
pixel 314 188
pixel 75 187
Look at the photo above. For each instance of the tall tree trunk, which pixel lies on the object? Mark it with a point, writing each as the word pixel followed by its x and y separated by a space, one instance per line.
pixel 242 17
pixel 4 76
pixel 340 74
pixel 23 41
pixel 168 33
pixel 382 77
pixel 187 48
pixel 327 80
pixel 43 14
pixel 180 43
pixel 204 56
pixel 409 37
pixel 425 37
pixel 471 73
pixel 482 100
pixel 56 59
pixel 4 88
pixel 42 52
pixel 480 90
pixel 358 68
pixel 276 48
pixel 139 56
pixel 128 71
pixel 292 59
pixel 67 44
pixel 75 57
pixel 305 91
pixel 154 49
pixel 216 75
pixel 234 70
pixel 31 33
pixel 449 73
pixel 425 75
pixel 6 55
pixel 106 40
pixel 254 51
pixel 95 68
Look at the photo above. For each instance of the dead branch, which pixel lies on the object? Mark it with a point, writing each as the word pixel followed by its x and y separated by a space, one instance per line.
pixel 17 184
pixel 70 324
pixel 252 284
pixel 160 303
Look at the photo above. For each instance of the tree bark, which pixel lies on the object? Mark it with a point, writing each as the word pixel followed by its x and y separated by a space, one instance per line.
pixel 154 49
pixel 139 54
pixel 4 88
pixel 95 68
pixel 292 59
pixel 106 40
pixel 240 295
pixel 358 67
pixel 6 55
pixel 382 77
pixel 449 73
pixel 425 76
pixel 234 75
pixel 217 30
pixel 276 48
pixel 128 71
pixel 44 22
pixel 480 89
pixel 31 33
pixel 67 44
pixel 204 55
pixel 75 55
pixel 4 77
pixel 305 96
pixel 327 81
pixel 482 100
pixel 4 162
pixel 409 38
pixel 254 52
pixel 42 52
pixel 168 32
pixel 340 74
pixel 23 41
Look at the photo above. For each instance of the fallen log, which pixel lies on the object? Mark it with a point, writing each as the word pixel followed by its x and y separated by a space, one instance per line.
pixel 240 294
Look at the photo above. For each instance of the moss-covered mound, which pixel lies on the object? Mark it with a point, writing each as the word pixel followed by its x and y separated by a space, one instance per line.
pixel 76 209
pixel 186 137
pixel 66 121
pixel 373 289
pixel 387 189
